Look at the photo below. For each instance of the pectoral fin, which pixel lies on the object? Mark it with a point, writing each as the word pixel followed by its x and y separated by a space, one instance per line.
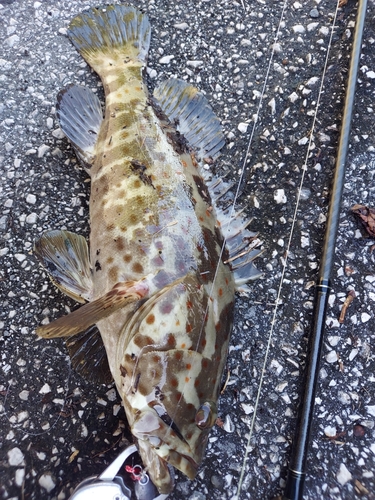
pixel 80 116
pixel 89 314
pixel 65 256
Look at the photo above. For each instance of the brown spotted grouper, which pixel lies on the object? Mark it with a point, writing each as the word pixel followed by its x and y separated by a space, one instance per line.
pixel 164 261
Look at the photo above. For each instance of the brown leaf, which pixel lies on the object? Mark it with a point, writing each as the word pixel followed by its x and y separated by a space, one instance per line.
pixel 366 217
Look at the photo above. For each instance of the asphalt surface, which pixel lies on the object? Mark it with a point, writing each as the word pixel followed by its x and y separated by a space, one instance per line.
pixel 56 429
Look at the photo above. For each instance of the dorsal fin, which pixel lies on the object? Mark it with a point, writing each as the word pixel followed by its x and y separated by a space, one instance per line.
pixel 192 115
pixel 80 115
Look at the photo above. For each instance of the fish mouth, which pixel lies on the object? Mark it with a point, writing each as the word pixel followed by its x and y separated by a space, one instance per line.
pixel 159 468
pixel 159 446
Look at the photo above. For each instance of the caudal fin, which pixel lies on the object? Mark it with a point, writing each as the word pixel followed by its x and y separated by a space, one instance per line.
pixel 111 33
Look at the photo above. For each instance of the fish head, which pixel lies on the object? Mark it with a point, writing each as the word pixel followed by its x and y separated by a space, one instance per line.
pixel 171 366
pixel 161 444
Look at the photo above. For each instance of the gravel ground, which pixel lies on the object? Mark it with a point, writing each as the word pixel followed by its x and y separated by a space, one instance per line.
pixel 57 429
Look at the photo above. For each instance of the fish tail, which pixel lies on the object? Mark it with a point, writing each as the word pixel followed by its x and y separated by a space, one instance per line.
pixel 107 36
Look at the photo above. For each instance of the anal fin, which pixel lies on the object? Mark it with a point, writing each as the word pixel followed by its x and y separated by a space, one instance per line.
pixel 88 356
pixel 79 320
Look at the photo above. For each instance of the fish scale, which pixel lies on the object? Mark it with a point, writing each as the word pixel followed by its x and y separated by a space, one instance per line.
pixel 160 284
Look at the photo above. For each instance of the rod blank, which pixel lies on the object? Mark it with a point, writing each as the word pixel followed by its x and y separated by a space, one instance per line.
pixel 297 465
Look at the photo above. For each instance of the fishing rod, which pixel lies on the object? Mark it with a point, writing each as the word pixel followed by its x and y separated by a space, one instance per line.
pixel 297 464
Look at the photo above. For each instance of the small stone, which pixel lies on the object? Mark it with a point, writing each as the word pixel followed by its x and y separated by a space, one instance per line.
pixel 19 477
pixel 194 64
pixel 46 481
pixel 42 150
pixel 31 198
pixel 217 482
pixel 12 40
pixel 343 475
pixel 166 59
pixel 49 122
pixel 279 196
pixel 371 410
pixel 330 431
pixel 181 26
pixel 370 74
pixel 298 28
pixel 111 395
pixel 45 389
pixel 365 317
pixel 228 425
pixel 24 395
pixel 31 218
pixel 314 13
pixel 20 257
pixel 15 457
pixel 331 357
pixel 293 97
pixel 242 127
pixel 58 133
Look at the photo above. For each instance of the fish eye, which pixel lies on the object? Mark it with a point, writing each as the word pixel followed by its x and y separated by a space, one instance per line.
pixel 206 415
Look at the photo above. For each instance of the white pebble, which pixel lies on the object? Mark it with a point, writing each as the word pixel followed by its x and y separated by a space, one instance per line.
pixel 24 395
pixel 58 133
pixel 272 105
pixel 228 424
pixel 303 141
pixel 370 410
pixel 181 26
pixel 298 28
pixel 330 431
pixel 12 40
pixel 242 127
pixel 20 257
pixel 343 475
pixel 19 477
pixel 194 64
pixel 31 218
pixel 293 97
pixel 49 122
pixel 312 26
pixel 45 389
pixel 31 198
pixel 42 150
pixel 111 395
pixel 305 241
pixel 247 408
pixel 331 357
pixel 279 196
pixel 312 81
pixel 46 482
pixel 15 457
pixel 324 30
pixel 166 59
pixel 353 354
pixel 365 317
pixel 370 74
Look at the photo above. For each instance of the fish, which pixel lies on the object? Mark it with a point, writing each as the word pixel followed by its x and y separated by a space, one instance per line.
pixel 166 254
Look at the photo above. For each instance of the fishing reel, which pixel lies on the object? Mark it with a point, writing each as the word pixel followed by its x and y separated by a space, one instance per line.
pixel 110 485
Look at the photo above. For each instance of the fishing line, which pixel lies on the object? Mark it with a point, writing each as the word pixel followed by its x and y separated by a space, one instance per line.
pixel 237 193
pixel 273 321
